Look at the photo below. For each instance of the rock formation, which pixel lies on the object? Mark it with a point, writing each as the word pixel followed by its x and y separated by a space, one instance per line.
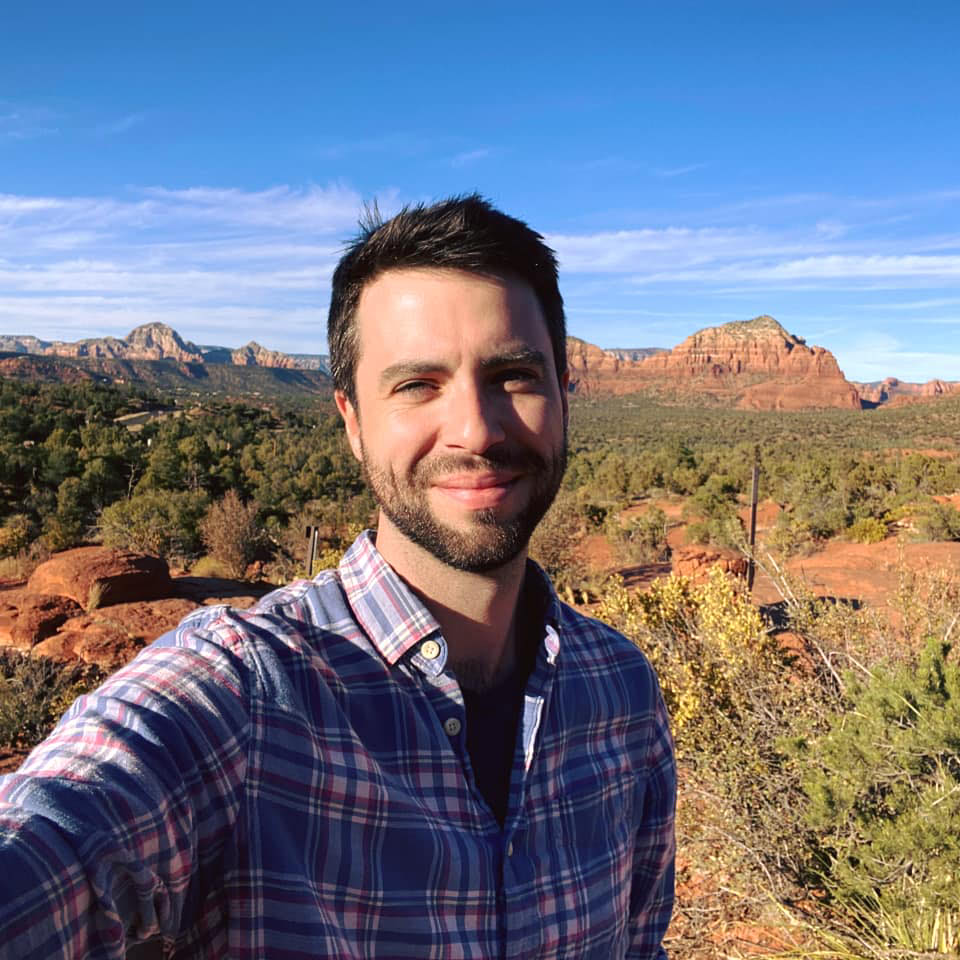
pixel 696 562
pixel 896 392
pixel 151 341
pixel 253 355
pixel 157 341
pixel 98 576
pixel 102 606
pixel 753 364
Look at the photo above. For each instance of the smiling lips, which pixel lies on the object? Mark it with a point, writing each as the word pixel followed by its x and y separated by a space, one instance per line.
pixel 477 491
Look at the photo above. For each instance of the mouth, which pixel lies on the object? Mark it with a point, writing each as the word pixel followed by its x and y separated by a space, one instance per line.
pixel 477 491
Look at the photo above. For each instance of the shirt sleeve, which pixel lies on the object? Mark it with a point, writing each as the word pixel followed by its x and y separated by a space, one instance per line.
pixel 651 895
pixel 108 827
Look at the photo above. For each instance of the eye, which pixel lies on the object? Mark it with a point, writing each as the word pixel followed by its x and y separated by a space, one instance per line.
pixel 517 377
pixel 413 387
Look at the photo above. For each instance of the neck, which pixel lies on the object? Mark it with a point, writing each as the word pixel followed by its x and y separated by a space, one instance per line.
pixel 476 611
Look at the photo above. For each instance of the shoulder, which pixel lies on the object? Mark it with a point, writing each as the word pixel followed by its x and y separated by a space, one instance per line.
pixel 288 614
pixel 599 659
pixel 285 631
pixel 597 643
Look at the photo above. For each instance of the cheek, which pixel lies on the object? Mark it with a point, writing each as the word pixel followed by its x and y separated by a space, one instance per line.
pixel 399 440
pixel 542 423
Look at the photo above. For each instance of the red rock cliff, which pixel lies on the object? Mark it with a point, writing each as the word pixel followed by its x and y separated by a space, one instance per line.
pixel 754 364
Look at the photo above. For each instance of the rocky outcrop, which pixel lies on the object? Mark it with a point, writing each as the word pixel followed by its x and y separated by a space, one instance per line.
pixel 896 392
pixel 23 344
pixel 753 364
pixel 37 617
pixel 759 365
pixel 51 615
pixel 635 353
pixel 696 561
pixel 593 370
pixel 151 341
pixel 157 341
pixel 98 577
pixel 253 355
pixel 31 367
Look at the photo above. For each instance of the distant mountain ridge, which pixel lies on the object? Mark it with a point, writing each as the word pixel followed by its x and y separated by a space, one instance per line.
pixel 894 392
pixel 635 353
pixel 750 364
pixel 157 341
pixel 156 355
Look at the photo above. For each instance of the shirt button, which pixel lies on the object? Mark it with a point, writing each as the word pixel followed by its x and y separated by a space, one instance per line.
pixel 452 726
pixel 510 849
pixel 430 649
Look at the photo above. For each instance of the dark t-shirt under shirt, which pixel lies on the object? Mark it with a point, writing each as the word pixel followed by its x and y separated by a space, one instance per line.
pixel 494 714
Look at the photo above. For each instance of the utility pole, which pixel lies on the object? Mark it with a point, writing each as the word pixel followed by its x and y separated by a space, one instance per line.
pixel 311 535
pixel 755 490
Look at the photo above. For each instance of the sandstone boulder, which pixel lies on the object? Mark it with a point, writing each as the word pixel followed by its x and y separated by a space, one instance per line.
pixel 38 616
pixel 100 576
pixel 695 561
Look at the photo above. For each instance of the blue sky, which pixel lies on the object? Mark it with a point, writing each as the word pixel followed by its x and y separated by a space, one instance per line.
pixel 691 162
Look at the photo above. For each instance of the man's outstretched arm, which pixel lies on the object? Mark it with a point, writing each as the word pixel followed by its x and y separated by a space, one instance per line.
pixel 127 803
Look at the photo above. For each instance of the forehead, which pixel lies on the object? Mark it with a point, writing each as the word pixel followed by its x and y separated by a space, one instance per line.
pixel 431 310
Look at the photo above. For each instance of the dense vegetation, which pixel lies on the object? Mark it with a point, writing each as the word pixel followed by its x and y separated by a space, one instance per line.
pixel 71 469
pixel 833 472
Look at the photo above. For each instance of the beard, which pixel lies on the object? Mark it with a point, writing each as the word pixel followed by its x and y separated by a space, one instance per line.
pixel 487 541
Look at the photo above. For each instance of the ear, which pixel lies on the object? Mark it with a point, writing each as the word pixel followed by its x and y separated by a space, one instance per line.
pixel 351 422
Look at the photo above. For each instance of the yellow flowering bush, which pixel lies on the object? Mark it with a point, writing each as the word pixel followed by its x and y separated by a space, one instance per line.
pixel 707 643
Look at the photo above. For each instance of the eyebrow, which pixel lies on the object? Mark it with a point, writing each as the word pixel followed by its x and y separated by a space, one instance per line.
pixel 524 355
pixel 420 368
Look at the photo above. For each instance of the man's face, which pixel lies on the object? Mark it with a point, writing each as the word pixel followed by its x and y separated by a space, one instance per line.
pixel 460 421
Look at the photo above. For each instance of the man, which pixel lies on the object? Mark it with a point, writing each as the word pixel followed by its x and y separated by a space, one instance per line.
pixel 419 754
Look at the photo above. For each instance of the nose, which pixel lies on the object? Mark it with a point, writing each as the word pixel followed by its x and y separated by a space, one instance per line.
pixel 474 420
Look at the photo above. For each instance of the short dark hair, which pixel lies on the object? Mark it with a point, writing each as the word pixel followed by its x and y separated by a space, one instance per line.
pixel 459 233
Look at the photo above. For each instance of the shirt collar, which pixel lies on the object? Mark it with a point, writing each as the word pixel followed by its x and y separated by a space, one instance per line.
pixel 392 615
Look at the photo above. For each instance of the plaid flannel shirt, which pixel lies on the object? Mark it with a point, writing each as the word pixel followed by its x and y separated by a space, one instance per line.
pixel 292 781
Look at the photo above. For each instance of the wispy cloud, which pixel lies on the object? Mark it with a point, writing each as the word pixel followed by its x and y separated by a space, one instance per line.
pixel 122 125
pixel 933 303
pixel 669 172
pixel 26 122
pixel 471 156
pixel 229 265
pixel 193 257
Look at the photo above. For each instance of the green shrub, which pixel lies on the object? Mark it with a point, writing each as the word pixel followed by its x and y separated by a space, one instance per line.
pixel 35 692
pixel 641 539
pixel 14 535
pixel 164 523
pixel 792 535
pixel 556 544
pixel 232 533
pixel 884 799
pixel 867 530
pixel 714 507
pixel 938 521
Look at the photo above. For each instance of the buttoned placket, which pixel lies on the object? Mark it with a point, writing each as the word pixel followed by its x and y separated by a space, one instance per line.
pixel 430 657
pixel 518 871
